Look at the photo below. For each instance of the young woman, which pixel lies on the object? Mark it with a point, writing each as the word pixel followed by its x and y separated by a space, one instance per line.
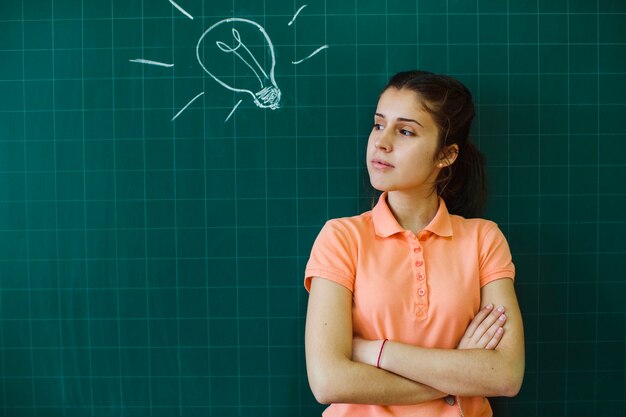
pixel 406 307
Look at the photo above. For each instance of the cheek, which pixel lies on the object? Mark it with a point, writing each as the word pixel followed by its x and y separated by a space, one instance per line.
pixel 428 155
pixel 370 142
pixel 422 161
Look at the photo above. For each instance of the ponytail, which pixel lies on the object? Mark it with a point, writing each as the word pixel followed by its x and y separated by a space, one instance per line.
pixel 463 185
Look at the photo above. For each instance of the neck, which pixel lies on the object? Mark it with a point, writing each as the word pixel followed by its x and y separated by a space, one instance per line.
pixel 413 212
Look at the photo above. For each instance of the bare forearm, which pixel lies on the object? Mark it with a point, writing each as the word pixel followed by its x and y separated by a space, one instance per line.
pixel 334 375
pixel 346 381
pixel 467 370
pixel 473 372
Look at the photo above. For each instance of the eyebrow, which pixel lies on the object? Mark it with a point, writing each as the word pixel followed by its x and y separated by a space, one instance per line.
pixel 403 119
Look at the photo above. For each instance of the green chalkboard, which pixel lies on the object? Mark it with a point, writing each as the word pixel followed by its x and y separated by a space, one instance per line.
pixel 165 167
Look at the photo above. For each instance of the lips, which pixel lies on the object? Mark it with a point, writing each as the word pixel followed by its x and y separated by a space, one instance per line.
pixel 381 164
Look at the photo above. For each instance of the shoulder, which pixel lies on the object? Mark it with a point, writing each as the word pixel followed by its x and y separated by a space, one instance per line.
pixel 347 233
pixel 484 239
pixel 354 226
pixel 476 227
pixel 335 251
pixel 485 235
pixel 344 232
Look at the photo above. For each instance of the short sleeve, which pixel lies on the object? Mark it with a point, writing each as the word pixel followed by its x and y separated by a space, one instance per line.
pixel 333 256
pixel 495 256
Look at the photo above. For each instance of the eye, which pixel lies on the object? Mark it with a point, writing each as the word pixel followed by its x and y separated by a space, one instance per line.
pixel 377 126
pixel 405 132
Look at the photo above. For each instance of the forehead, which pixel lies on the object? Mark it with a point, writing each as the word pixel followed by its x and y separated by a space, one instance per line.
pixel 395 103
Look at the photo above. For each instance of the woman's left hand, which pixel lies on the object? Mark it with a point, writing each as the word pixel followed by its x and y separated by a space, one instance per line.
pixel 485 330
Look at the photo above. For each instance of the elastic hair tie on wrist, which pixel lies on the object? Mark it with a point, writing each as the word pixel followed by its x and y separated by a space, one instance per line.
pixel 380 353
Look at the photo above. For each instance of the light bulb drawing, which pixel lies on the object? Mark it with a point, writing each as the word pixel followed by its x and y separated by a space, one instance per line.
pixel 239 55
pixel 257 80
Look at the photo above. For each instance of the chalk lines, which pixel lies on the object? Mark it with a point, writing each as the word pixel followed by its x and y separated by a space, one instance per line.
pixel 226 41
pixel 187 105
pixel 180 9
pixel 317 51
pixel 233 110
pixel 149 62
pixel 296 15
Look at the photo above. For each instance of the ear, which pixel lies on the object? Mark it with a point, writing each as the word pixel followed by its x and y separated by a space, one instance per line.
pixel 448 156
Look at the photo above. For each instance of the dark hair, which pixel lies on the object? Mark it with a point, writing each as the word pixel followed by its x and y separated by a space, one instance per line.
pixel 463 184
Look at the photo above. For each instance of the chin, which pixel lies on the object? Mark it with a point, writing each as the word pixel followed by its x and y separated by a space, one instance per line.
pixel 380 187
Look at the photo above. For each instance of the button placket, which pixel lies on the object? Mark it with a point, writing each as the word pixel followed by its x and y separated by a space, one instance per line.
pixel 421 301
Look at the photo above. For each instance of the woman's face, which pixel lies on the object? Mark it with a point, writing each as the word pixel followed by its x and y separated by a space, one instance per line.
pixel 402 145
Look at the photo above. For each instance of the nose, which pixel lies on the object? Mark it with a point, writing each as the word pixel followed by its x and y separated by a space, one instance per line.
pixel 383 141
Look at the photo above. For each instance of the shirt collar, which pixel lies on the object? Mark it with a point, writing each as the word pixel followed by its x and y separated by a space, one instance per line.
pixel 385 224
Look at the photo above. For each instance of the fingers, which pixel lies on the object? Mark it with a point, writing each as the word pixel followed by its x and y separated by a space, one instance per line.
pixel 485 331
pixel 478 319
pixel 494 333
pixel 496 339
pixel 485 325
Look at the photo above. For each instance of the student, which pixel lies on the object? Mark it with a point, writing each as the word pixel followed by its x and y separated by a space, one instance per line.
pixel 405 314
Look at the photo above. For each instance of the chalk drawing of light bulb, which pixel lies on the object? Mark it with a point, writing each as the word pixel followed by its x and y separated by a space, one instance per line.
pixel 239 55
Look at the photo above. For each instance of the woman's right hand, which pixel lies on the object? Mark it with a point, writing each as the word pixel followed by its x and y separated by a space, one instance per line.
pixel 485 330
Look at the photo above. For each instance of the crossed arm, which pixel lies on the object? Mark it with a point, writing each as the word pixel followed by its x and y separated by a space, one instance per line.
pixel 487 362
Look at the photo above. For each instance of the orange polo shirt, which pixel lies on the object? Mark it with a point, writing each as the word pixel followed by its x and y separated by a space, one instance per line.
pixel 422 290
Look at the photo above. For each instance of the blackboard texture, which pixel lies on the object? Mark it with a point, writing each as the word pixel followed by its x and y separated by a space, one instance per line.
pixel 165 167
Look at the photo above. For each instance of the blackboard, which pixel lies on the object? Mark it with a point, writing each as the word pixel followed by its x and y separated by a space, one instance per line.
pixel 155 222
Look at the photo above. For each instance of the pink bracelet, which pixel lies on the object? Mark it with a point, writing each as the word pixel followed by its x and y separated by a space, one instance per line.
pixel 381 353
